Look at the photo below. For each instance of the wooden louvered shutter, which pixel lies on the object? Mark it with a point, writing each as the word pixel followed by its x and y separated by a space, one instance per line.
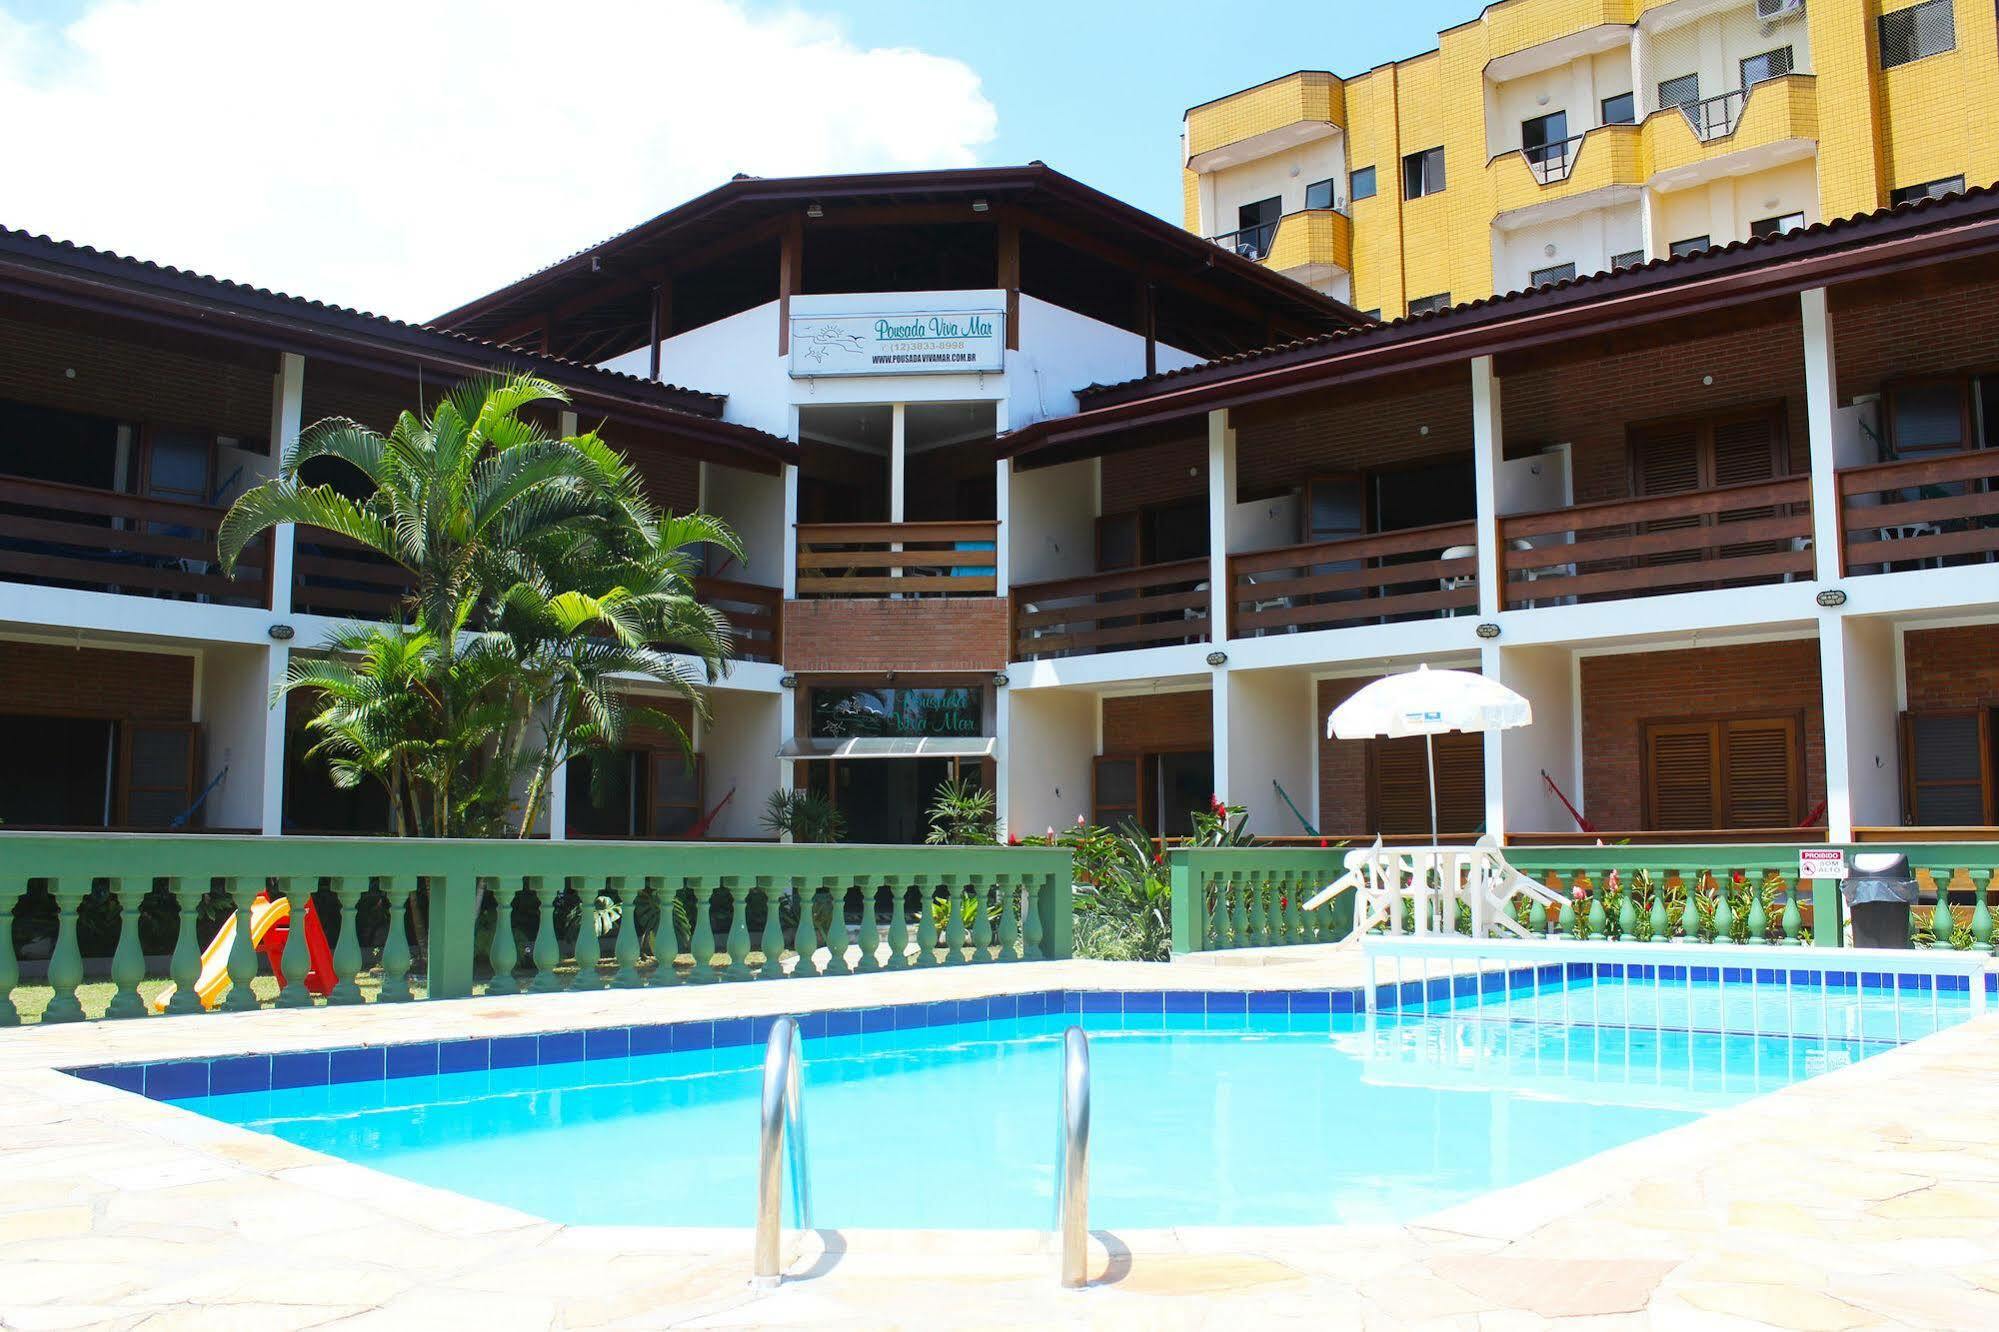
pixel 1760 773
pixel 1460 783
pixel 1399 785
pixel 1947 768
pixel 1666 460
pixel 1682 776
pixel 1743 450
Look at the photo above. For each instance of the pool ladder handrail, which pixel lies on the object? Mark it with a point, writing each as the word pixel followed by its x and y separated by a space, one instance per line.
pixel 781 1136
pixel 1072 1160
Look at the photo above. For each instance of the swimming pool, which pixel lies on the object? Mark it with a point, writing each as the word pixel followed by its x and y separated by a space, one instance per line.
pixel 1209 1109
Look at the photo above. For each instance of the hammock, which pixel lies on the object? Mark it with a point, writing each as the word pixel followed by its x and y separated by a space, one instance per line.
pixel 1302 820
pixel 700 829
pixel 1574 813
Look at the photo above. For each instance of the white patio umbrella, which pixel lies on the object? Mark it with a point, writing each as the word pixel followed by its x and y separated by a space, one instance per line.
pixel 1428 703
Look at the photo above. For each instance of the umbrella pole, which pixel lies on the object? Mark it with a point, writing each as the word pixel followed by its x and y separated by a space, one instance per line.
pixel 1430 756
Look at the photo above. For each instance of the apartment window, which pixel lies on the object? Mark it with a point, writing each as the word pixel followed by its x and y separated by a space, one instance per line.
pixel 1544 138
pixel 1374 314
pixel 1544 277
pixel 635 793
pixel 1363 184
pixel 1691 245
pixel 1723 772
pixel 1929 189
pixel 1423 173
pixel 1629 259
pixel 1430 304
pixel 1620 110
pixel 1920 30
pixel 1319 194
pixel 1947 777
pixel 1770 65
pixel 1777 226
pixel 1256 227
pixel 1682 91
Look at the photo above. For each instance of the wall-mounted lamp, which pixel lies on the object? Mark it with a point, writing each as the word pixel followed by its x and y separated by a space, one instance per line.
pixel 999 679
pixel 1218 658
pixel 980 205
pixel 815 210
pixel 1832 596
pixel 281 633
pixel 1487 630
pixel 787 682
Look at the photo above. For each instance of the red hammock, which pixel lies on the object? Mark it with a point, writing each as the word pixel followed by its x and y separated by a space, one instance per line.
pixel 1574 813
pixel 700 829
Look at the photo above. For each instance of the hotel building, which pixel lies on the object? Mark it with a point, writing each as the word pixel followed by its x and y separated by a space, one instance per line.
pixel 1044 492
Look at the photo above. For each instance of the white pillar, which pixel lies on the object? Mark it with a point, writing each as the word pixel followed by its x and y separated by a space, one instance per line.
pixel 271 820
pixel 1218 696
pixel 1002 507
pixel 1002 728
pixel 1488 451
pixel 555 804
pixel 790 581
pixel 1492 665
pixel 1821 407
pixel 1273 737
pixel 1857 677
pixel 1221 497
pixel 287 405
pixel 898 458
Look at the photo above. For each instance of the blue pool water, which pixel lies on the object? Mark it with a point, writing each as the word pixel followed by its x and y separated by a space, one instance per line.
pixel 1199 1118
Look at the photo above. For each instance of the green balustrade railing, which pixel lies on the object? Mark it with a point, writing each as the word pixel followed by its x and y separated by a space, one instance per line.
pixel 513 917
pixel 1723 895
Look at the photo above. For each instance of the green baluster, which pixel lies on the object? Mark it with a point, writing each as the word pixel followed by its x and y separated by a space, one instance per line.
pixel 1942 925
pixel 1793 920
pixel 870 931
pixel 739 928
pixel 1981 916
pixel 836 929
pixel 503 951
pixel 954 925
pixel 626 947
pixel 666 939
pixel 396 957
pixel 1759 916
pixel 242 953
pixel 66 961
pixel 1262 909
pixel 1662 929
pixel 1627 915
pixel 1238 910
pixel 772 944
pixel 11 891
pixel 128 964
pixel 545 953
pixel 1724 915
pixel 295 960
pixel 1565 919
pixel 1296 889
pixel 807 941
pixel 898 923
pixel 1030 928
pixel 1009 921
pixel 1915 917
pixel 1537 917
pixel 1597 920
pixel 586 948
pixel 926 922
pixel 347 948
pixel 1690 913
pixel 982 921
pixel 1215 891
pixel 703 948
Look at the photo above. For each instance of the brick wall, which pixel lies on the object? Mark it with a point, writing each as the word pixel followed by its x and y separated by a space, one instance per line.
pixel 136 380
pixel 1342 767
pixel 1952 668
pixel 1283 446
pixel 44 678
pixel 1149 723
pixel 1621 693
pixel 1156 475
pixel 644 735
pixel 916 634
pixel 1923 323
pixel 1588 399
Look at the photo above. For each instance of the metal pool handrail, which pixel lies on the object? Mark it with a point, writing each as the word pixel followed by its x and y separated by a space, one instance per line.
pixel 1072 1160
pixel 782 1126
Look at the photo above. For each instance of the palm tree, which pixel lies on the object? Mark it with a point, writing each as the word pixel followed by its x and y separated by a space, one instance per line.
pixel 372 708
pixel 541 572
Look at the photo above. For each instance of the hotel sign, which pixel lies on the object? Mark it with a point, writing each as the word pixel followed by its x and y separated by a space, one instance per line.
pixel 914 343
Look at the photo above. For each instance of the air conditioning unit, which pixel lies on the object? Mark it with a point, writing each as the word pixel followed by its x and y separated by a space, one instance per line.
pixel 1772 10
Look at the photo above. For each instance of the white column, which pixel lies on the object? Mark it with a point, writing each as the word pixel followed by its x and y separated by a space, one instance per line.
pixel 1002 729
pixel 1858 683
pixel 1002 508
pixel 1488 451
pixel 790 556
pixel 555 804
pixel 1491 664
pixel 787 730
pixel 1821 406
pixel 898 458
pixel 287 405
pixel 1218 686
pixel 1221 497
pixel 271 820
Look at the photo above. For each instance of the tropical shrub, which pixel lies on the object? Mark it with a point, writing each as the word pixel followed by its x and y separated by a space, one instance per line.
pixel 804 816
pixel 961 814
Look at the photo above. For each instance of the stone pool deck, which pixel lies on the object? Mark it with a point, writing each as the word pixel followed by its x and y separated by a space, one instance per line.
pixel 1866 1197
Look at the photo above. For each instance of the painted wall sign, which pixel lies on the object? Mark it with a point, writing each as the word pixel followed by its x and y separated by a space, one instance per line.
pixel 915 343
pixel 1821 863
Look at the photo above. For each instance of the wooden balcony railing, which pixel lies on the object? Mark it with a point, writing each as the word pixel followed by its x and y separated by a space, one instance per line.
pixel 75 536
pixel 1729 536
pixel 1412 573
pixel 1125 608
pixel 1923 513
pixel 878 559
pixel 344 579
pixel 755 612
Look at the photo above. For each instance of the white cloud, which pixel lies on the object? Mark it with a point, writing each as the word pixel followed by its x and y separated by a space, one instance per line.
pixel 406 155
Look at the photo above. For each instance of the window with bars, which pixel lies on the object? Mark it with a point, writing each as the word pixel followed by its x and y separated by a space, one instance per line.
pixel 1723 772
pixel 1768 65
pixel 1544 277
pixel 1920 30
pixel 1628 259
pixel 1423 173
pixel 1679 91
pixel 1929 189
pixel 1430 304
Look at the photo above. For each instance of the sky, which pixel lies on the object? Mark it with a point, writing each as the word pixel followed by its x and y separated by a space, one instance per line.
pixel 404 156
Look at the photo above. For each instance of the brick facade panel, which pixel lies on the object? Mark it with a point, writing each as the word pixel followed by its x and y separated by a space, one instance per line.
pixel 1150 723
pixel 1160 474
pixel 136 381
pixel 1623 692
pixel 1280 448
pixel 48 679
pixel 1933 322
pixel 913 634
pixel 1952 668
pixel 1342 766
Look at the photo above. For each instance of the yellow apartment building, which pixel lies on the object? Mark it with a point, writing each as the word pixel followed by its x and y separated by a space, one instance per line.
pixel 1545 139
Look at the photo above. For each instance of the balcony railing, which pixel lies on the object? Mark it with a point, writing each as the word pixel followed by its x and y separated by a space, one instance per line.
pixel 1153 606
pixel 1715 117
pixel 756 614
pixel 884 559
pixel 1732 535
pixel 74 536
pixel 1410 574
pixel 1249 242
pixel 343 579
pixel 1552 162
pixel 1921 513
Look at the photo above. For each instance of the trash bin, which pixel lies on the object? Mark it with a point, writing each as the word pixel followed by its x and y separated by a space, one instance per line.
pixel 1879 890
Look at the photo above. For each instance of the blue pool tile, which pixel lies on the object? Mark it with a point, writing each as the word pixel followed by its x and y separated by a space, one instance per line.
pixel 1184 1001
pixel 308 1068
pixel 1346 1001
pixel 1874 980
pixel 1072 1001
pixel 1551 971
pixel 1100 1001
pixel 182 1077
pixel 414 1061
pixel 1766 976
pixel 731 1032
pixel 973 1010
pixel 1463 986
pixel 1805 978
pixel 1519 980
pixel 1003 1007
pixel 557 1047
pixel 1640 971
pixel 1311 1001
pixel 1578 970
pixel 940 1014
pixel 467 1056
pixel 759 1032
pixel 1960 984
pixel 610 1043
pixel 525 1051
pixel 1144 1001
pixel 701 1035
pixel 239 1073
pixel 1992 984
pixel 877 1019
pixel 909 1017
pixel 1228 1001
pixel 125 1077
pixel 1672 973
pixel 1491 982
pixel 1040 1004
pixel 1913 982
pixel 811 1026
pixel 1269 1001
pixel 1735 975
pixel 367 1063
pixel 844 1022
pixel 1612 970
pixel 1707 973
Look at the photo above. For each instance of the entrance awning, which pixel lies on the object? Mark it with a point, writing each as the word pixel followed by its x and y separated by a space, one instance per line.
pixel 890 747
